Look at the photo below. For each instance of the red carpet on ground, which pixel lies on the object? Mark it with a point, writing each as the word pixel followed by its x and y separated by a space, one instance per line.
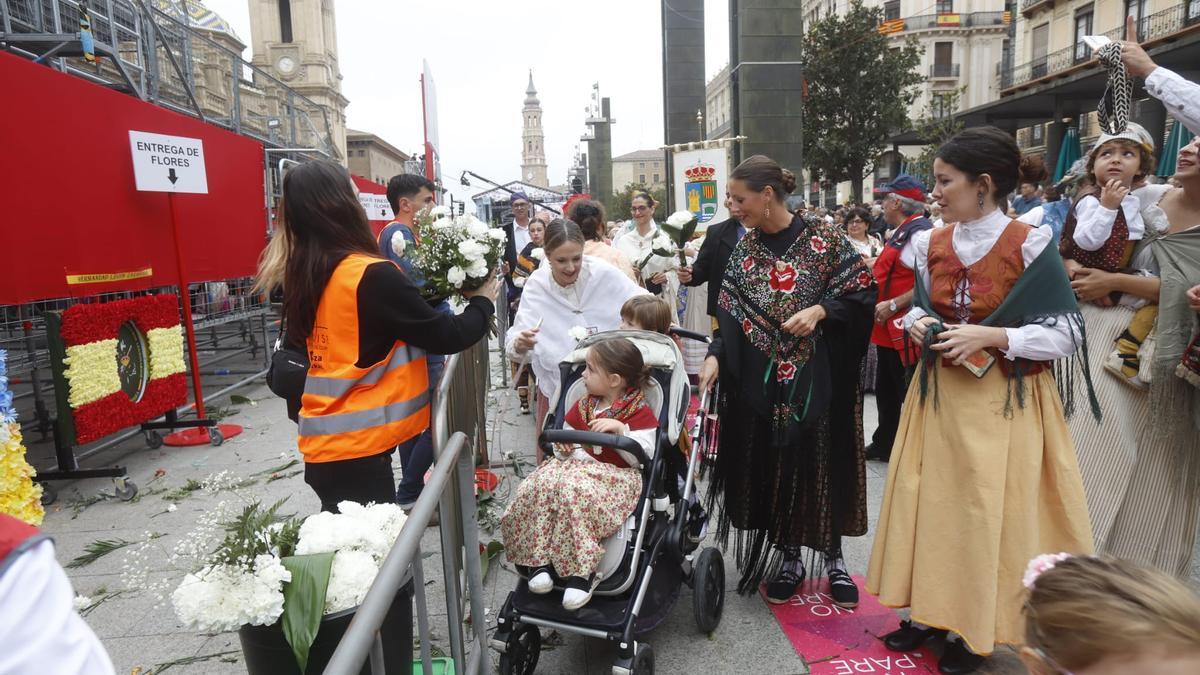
pixel 837 641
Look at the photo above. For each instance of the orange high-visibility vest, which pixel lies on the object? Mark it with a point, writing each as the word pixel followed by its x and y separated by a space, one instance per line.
pixel 347 411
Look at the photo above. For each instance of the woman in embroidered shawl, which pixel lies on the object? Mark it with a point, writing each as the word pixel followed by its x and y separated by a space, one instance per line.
pixel 1141 465
pixel 983 474
pixel 794 313
pixel 571 291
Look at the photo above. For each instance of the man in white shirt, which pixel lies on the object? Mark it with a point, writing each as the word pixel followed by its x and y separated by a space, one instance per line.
pixel 1180 97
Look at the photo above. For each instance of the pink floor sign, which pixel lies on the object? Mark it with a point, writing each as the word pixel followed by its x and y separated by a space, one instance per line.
pixel 837 641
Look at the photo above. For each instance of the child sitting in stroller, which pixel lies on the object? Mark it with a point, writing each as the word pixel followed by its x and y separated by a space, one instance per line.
pixel 564 510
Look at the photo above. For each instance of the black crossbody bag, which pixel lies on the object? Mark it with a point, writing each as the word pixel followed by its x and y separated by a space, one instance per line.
pixel 288 369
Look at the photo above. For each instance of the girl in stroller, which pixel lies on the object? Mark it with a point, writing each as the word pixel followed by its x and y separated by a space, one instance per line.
pixel 566 508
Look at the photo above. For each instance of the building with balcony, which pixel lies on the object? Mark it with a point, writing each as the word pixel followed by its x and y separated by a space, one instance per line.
pixel 647 168
pixel 1049 80
pixel 963 43
pixel 718 105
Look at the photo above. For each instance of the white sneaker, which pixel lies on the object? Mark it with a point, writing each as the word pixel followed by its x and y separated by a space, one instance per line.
pixel 541 583
pixel 574 598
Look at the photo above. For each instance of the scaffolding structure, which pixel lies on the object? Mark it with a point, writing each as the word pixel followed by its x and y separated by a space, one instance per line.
pixel 152 50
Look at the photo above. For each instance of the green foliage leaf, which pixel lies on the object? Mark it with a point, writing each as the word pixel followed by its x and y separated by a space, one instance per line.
pixel 304 601
pixel 617 204
pixel 493 549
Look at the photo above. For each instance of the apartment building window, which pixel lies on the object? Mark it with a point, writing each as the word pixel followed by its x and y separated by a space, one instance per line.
pixel 657 178
pixel 941 105
pixel 943 59
pixel 1193 12
pixel 944 7
pixel 642 178
pixel 891 10
pixel 1039 134
pixel 1083 26
pixel 1137 10
pixel 1040 47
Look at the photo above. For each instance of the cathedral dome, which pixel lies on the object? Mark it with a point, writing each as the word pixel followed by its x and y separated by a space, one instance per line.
pixel 198 16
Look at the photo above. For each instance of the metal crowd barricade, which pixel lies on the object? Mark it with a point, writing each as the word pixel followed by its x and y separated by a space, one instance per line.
pixel 458 420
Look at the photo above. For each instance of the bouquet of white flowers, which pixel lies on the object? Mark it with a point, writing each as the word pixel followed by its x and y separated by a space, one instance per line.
pixel 457 253
pixel 272 568
pixel 660 258
pixel 680 227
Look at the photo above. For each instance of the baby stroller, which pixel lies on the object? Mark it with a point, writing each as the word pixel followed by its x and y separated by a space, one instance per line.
pixel 654 552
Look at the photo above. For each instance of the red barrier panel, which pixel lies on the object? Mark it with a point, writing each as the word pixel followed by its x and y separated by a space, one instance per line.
pixel 373 197
pixel 72 222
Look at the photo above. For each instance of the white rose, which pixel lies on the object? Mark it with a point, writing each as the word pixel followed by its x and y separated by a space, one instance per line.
pixel 578 332
pixel 442 224
pixel 538 254
pixel 680 218
pixel 440 211
pixel 497 234
pixel 399 243
pixel 456 275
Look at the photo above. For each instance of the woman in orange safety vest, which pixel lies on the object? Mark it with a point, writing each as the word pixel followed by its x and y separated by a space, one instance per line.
pixel 366 329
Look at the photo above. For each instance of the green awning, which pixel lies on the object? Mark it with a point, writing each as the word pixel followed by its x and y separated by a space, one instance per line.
pixel 1179 137
pixel 1068 154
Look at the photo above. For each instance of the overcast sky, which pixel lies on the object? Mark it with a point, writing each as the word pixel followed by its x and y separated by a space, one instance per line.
pixel 480 53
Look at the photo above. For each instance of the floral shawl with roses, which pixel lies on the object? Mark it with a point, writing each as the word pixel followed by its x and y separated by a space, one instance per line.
pixel 785 377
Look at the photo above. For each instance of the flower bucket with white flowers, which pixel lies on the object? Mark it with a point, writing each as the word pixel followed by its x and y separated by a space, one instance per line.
pixel 290 587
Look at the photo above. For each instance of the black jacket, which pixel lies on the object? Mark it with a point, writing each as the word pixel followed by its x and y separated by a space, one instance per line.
pixel 713 258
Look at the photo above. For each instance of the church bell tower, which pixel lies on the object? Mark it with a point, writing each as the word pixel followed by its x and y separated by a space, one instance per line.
pixel 533 152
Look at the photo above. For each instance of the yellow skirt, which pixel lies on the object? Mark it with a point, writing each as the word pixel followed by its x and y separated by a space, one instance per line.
pixel 971 497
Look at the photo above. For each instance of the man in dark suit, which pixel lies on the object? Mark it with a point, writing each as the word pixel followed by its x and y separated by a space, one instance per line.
pixel 713 257
pixel 517 230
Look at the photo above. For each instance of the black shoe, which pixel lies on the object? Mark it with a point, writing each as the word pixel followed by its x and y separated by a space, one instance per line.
pixel 842 589
pixel 906 638
pixel 783 587
pixel 874 454
pixel 957 659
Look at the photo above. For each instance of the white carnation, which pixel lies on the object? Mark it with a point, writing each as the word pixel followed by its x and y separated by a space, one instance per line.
pixel 472 250
pixel 475 227
pixel 519 282
pixel 399 243
pixel 442 223
pixel 351 577
pixel 578 332
pixel 456 276
pixel 497 234
pixel 329 532
pixel 662 241
pixel 225 597
pixel 439 211
pixel 538 253
pixel 81 602
pixel 478 269
pixel 680 218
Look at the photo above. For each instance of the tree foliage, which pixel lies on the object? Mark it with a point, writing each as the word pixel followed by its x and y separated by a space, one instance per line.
pixel 617 205
pixel 935 126
pixel 860 89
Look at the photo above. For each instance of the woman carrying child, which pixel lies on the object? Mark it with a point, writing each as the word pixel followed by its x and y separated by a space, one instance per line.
pixel 569 505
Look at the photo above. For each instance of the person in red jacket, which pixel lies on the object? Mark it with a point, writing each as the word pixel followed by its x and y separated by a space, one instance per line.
pixel 40 631
pixel 904 211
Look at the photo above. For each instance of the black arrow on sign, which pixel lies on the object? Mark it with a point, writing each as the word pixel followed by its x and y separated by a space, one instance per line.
pixel 383 212
pixel 172 177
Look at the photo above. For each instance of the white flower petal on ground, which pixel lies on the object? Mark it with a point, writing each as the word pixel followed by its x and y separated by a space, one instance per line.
pixel 680 218
pixel 81 602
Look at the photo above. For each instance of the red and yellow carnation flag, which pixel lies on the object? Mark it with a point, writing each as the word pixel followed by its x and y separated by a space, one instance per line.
pixel 124 363
pixel 20 497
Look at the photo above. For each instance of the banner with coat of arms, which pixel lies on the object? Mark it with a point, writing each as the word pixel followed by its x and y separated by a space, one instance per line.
pixel 700 177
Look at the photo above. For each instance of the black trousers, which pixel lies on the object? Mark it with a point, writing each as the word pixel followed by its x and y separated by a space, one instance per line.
pixel 362 480
pixel 891 385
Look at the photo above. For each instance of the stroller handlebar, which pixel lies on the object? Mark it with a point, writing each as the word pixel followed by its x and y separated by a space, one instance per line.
pixel 573 437
pixel 689 334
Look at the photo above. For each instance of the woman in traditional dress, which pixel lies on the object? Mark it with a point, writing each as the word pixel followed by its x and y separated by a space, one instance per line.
pixel 983 475
pixel 794 308
pixel 589 215
pixel 570 291
pixel 869 247
pixel 1141 464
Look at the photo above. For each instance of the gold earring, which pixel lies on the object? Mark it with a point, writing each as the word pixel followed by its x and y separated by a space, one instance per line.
pixel 768 214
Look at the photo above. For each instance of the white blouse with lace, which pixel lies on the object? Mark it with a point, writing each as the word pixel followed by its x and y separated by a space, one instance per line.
pixel 1052 339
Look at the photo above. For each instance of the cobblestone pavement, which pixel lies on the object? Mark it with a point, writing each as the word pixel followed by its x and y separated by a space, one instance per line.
pixel 141 633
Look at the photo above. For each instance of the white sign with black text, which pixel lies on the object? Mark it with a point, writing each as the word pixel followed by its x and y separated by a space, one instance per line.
pixel 164 163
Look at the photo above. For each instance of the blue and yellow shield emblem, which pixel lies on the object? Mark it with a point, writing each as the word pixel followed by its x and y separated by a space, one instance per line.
pixel 700 190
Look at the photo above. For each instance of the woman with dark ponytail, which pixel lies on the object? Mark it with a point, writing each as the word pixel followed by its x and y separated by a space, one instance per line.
pixel 983 475
pixel 794 308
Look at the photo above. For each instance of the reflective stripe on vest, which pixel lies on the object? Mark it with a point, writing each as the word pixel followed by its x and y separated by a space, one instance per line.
pixel 347 411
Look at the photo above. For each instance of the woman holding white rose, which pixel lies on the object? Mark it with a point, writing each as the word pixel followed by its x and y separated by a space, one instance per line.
pixel 570 293
pixel 654 271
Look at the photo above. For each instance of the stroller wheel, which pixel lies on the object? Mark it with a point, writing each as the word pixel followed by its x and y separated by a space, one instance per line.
pixel 643 661
pixel 523 649
pixel 708 590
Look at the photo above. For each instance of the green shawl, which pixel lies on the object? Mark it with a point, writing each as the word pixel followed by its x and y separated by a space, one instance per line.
pixel 1042 294
pixel 1171 399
